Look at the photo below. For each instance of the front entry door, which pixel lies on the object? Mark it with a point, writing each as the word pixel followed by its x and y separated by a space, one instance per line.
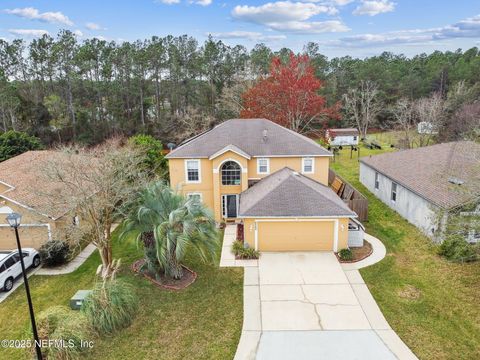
pixel 230 206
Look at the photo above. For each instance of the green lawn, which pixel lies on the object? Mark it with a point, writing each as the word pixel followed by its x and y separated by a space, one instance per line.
pixel 433 304
pixel 202 322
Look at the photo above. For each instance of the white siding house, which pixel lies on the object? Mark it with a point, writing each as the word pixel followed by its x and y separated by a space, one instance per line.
pixel 412 207
pixel 342 137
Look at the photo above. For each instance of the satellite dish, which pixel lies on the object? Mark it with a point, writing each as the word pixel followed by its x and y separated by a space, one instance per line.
pixel 171 146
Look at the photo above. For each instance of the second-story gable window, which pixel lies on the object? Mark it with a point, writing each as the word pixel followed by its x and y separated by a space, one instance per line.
pixel 263 166
pixel 231 173
pixel 308 165
pixel 192 171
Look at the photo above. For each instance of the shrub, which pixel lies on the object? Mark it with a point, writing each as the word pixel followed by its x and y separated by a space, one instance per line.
pixel 54 253
pixel 241 252
pixel 345 254
pixel 455 248
pixel 61 324
pixel 110 307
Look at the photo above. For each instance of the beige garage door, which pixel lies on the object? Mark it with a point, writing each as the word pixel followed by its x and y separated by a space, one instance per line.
pixel 295 236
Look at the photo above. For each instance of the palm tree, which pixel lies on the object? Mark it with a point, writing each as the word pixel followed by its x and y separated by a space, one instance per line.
pixel 168 225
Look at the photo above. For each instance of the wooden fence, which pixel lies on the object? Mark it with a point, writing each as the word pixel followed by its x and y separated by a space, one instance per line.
pixel 355 200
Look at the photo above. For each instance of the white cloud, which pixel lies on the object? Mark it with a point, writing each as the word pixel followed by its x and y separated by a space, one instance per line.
pixel 169 2
pixel 33 14
pixel 467 28
pixel 78 33
pixel 28 32
pixel 290 16
pixel 94 26
pixel 374 7
pixel 203 2
pixel 249 35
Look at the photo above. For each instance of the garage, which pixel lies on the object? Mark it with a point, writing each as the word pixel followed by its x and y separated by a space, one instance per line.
pixel 295 235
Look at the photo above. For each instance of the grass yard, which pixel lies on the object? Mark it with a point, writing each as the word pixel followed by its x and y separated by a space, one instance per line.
pixel 433 304
pixel 201 322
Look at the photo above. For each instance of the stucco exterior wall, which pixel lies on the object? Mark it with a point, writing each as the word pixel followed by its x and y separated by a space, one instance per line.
pixel 210 186
pixel 33 232
pixel 409 205
pixel 308 224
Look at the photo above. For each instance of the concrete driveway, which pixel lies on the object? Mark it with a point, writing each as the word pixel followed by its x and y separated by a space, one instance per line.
pixel 305 306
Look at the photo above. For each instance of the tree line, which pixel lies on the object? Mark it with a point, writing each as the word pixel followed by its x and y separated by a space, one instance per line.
pixel 63 90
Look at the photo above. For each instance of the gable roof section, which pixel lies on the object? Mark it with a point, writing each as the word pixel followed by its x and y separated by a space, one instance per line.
pixel 232 148
pixel 247 135
pixel 343 132
pixel 30 185
pixel 287 193
pixel 426 171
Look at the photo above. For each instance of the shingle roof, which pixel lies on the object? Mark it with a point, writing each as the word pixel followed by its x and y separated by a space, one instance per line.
pixel 427 171
pixel 26 174
pixel 248 136
pixel 287 193
pixel 343 132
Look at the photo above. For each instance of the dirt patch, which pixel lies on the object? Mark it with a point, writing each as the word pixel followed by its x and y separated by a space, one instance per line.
pixel 164 282
pixel 359 253
pixel 409 292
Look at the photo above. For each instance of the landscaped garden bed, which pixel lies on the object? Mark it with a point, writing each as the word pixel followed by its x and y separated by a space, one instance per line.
pixel 357 253
pixel 164 282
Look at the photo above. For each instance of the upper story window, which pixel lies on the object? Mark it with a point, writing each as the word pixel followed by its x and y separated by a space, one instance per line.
pixel 393 196
pixel 308 165
pixel 263 166
pixel 192 171
pixel 231 173
pixel 377 182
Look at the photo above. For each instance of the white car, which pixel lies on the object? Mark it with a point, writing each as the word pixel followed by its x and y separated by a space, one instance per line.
pixel 11 268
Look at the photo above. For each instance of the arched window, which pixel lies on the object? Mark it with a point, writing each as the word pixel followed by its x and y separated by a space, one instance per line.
pixel 231 173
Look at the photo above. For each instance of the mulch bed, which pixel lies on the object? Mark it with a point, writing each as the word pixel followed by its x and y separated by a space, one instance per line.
pixel 188 278
pixel 359 253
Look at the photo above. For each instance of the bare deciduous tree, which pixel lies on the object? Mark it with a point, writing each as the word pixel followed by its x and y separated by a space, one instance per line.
pixel 362 106
pixel 404 115
pixel 430 110
pixel 98 183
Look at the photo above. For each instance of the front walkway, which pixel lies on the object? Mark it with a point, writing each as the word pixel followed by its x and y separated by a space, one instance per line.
pixel 306 306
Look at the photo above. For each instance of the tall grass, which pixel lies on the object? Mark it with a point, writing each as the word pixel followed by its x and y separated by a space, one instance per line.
pixel 110 307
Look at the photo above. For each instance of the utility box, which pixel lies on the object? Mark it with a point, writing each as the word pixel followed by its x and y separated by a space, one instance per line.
pixel 77 300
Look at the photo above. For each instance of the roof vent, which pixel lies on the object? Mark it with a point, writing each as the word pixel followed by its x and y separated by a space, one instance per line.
pixel 456 181
pixel 265 135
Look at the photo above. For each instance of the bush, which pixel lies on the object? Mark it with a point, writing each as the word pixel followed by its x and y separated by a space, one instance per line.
pixel 110 307
pixel 61 324
pixel 54 253
pixel 241 252
pixel 345 254
pixel 455 248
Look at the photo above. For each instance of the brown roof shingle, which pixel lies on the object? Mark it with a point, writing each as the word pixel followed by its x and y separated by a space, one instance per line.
pixel 427 171
pixel 31 185
pixel 287 193
pixel 248 136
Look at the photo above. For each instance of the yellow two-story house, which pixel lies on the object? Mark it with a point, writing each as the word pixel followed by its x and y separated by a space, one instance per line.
pixel 272 180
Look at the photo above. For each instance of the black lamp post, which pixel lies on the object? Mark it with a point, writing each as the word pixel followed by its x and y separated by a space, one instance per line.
pixel 13 220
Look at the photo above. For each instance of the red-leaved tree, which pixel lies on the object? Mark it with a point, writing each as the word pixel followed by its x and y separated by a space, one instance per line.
pixel 289 96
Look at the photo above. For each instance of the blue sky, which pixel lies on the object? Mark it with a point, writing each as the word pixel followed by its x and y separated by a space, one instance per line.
pixel 341 27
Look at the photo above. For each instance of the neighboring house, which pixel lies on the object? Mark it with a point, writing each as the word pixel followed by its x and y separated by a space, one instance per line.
pixel 342 137
pixel 426 127
pixel 23 189
pixel 426 184
pixel 292 208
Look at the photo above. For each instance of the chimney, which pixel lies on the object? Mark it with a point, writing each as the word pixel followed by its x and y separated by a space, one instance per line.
pixel 265 135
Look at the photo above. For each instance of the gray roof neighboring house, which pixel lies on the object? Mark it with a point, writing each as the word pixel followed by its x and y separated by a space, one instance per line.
pixel 429 171
pixel 287 193
pixel 255 137
pixel 343 132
